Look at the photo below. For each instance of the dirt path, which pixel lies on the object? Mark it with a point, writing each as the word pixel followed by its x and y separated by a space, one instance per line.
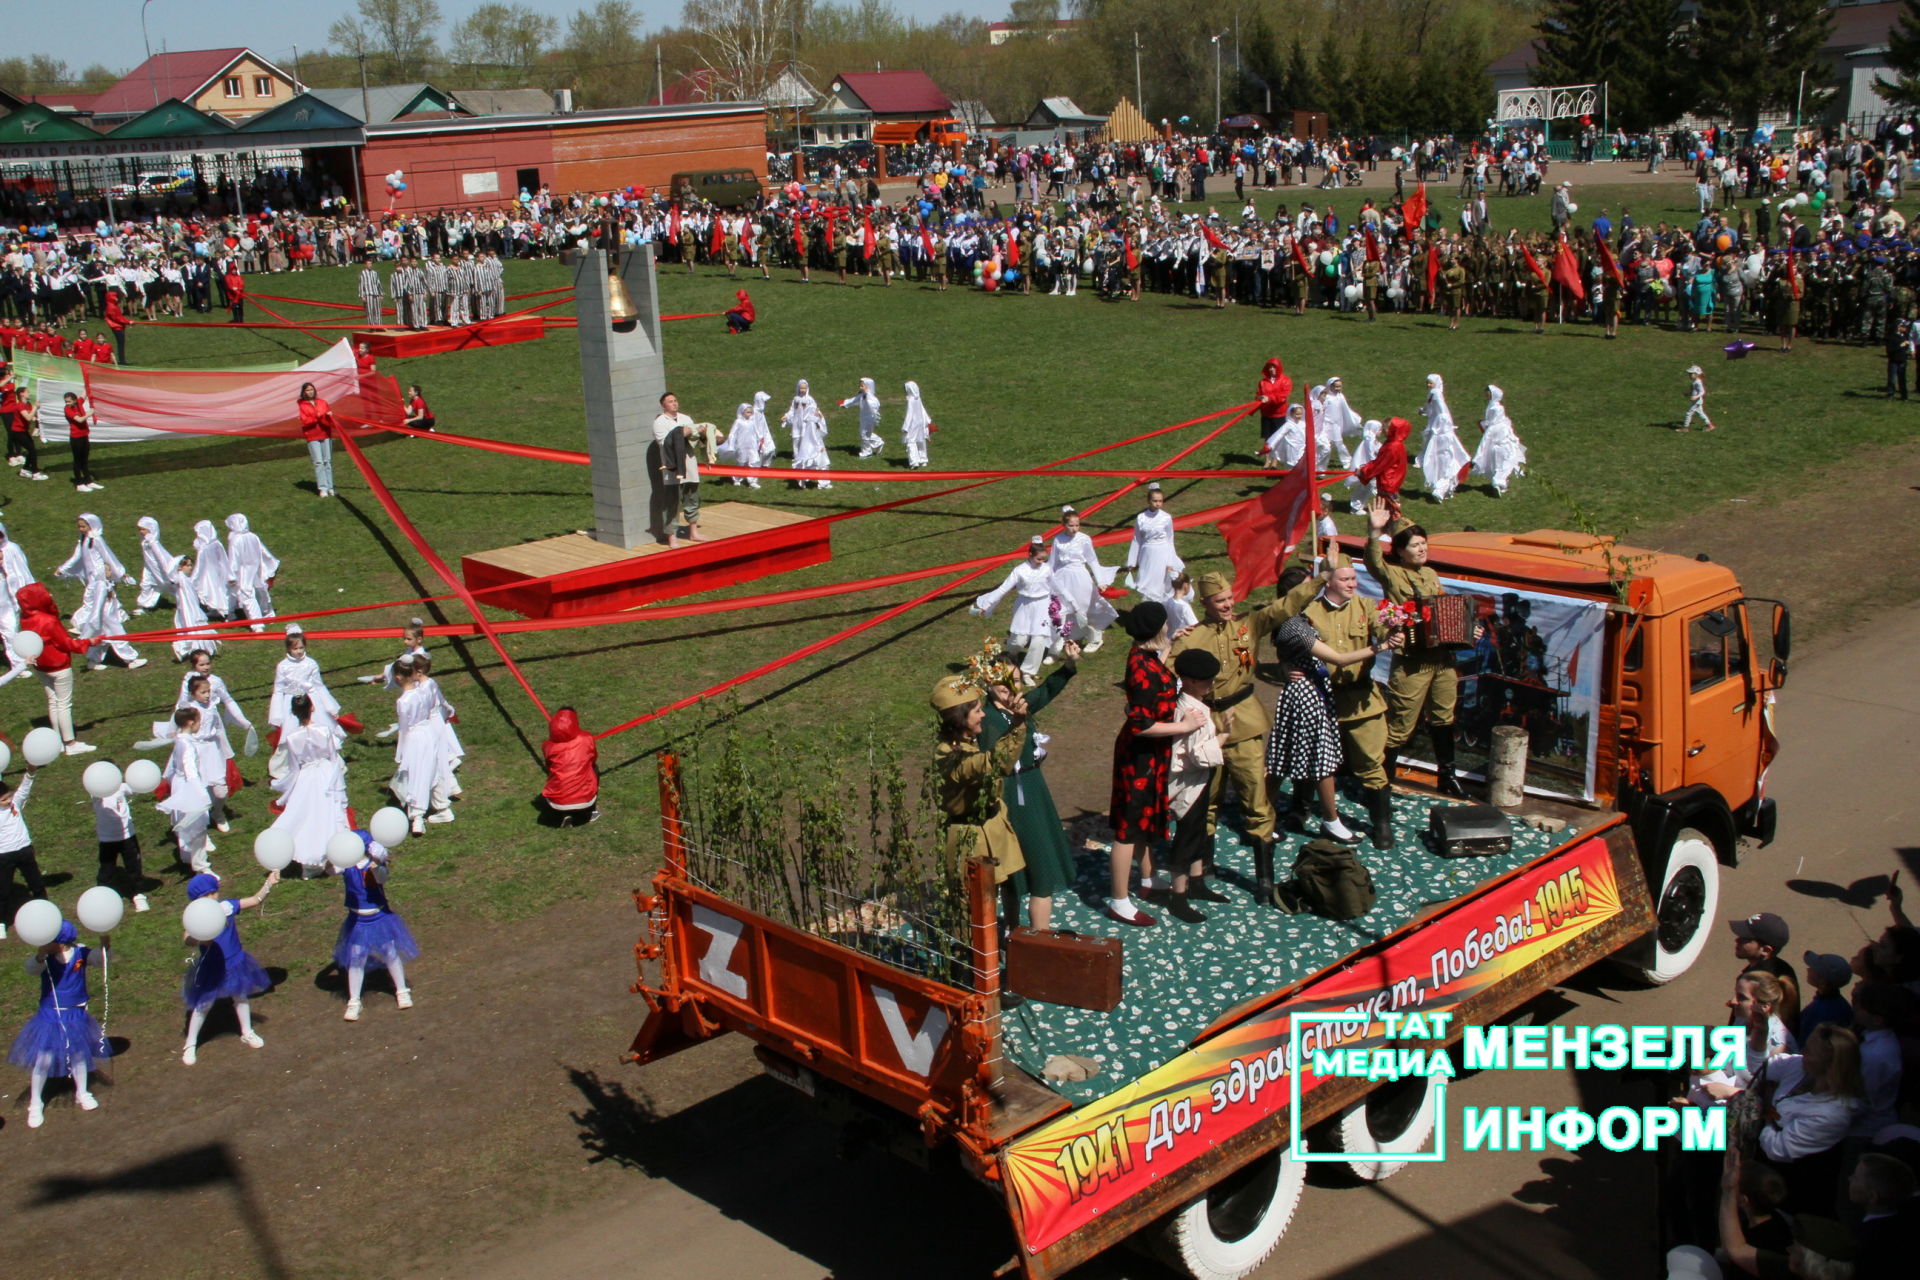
pixel 492 1131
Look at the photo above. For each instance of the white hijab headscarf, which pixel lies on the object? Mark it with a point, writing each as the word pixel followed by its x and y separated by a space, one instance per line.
pixel 248 558
pixel 1496 413
pixel 96 541
pixel 1439 416
pixel 914 425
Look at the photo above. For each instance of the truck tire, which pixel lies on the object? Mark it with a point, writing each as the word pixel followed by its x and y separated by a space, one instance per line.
pixel 1395 1119
pixel 1686 905
pixel 1238 1222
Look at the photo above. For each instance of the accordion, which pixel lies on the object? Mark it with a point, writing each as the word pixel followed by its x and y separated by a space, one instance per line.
pixel 1446 621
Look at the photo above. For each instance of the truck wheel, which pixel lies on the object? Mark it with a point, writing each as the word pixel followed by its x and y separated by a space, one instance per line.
pixel 1688 904
pixel 1395 1119
pixel 1232 1229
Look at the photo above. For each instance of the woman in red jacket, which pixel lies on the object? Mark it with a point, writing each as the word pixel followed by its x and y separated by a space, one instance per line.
pixel 1276 388
pixel 117 322
pixel 316 428
pixel 741 317
pixel 573 775
pixel 80 440
pixel 54 666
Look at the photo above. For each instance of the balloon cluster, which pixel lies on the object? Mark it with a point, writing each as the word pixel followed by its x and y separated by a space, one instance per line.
pixel 396 182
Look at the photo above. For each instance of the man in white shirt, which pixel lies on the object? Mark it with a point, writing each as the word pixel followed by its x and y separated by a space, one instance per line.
pixel 679 469
pixel 1874 1004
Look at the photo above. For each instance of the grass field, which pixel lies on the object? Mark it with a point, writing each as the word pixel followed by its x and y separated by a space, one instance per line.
pixel 1011 381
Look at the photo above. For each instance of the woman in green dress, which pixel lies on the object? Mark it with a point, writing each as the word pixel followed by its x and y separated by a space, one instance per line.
pixel 1027 801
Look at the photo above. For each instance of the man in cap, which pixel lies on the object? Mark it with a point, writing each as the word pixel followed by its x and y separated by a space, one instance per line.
pixel 1239 720
pixel 1827 977
pixel 1758 942
pixel 1423 679
pixel 1332 602
pixel 974 818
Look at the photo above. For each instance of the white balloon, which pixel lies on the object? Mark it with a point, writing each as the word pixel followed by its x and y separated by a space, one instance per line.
pixel 388 826
pixel 6 757
pixel 26 645
pixel 143 776
pixel 37 923
pixel 204 919
pixel 41 747
pixel 101 779
pixel 273 849
pixel 1353 292
pixel 345 849
pixel 100 909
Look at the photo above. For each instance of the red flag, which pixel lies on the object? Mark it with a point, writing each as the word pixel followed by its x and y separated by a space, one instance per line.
pixel 1373 245
pixel 1013 245
pixel 1607 262
pixel 799 237
pixel 1793 275
pixel 1566 270
pixel 1133 259
pixel 1533 265
pixel 1213 238
pixel 1265 530
pixel 926 239
pixel 673 222
pixel 1433 271
pixel 1300 256
pixel 718 238
pixel 1415 209
pixel 866 224
pixel 746 236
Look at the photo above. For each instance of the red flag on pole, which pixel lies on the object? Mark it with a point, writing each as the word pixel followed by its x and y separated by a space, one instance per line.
pixel 866 225
pixel 1607 262
pixel 1433 271
pixel 1213 238
pixel 1133 259
pixel 1300 256
pixel 1533 264
pixel 1566 270
pixel 746 236
pixel 926 239
pixel 1013 245
pixel 673 222
pixel 1415 209
pixel 799 237
pixel 1373 246
pixel 1265 530
pixel 718 238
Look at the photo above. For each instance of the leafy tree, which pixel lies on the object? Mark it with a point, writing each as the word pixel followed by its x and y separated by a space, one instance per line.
pixel 501 43
pixel 1903 52
pixel 742 42
pixel 37 73
pixel 1749 56
pixel 396 36
pixel 1579 41
pixel 1036 15
pixel 610 64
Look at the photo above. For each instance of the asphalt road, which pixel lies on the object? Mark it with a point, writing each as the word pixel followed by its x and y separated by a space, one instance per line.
pixel 735 1176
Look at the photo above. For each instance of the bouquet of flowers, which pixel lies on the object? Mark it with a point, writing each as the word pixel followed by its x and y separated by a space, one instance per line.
pixel 1391 617
pixel 991 666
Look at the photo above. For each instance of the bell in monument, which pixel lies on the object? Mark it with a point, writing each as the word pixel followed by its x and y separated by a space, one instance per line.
pixel 621 310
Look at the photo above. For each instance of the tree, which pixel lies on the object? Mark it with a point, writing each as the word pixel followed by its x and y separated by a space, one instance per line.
pixel 1302 91
pixel 1751 56
pixel 610 65
pixel 397 35
pixel 1036 16
pixel 39 74
pixel 1903 54
pixel 742 42
pixel 1336 90
pixel 1579 41
pixel 1633 46
pixel 502 43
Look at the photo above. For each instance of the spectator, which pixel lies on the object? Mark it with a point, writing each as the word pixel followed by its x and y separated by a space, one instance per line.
pixel 1821 1248
pixel 1758 942
pixel 1884 1190
pixel 1815 1099
pixel 1828 976
pixel 1877 1007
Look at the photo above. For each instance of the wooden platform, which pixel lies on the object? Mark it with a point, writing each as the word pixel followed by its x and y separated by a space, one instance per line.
pixel 574 574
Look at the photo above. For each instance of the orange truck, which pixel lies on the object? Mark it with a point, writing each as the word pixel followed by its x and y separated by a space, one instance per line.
pixel 900 133
pixel 1645 682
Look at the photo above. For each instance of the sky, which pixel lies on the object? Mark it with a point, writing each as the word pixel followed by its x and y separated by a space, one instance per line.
pixel 273 30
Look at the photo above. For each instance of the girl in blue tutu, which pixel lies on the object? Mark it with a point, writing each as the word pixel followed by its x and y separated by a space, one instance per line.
pixel 61 1038
pixel 372 933
pixel 223 970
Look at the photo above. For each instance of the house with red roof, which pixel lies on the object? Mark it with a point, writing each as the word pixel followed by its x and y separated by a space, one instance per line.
pixel 887 107
pixel 235 84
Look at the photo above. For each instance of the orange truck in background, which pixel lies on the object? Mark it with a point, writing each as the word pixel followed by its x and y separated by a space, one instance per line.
pixel 900 133
pixel 1680 669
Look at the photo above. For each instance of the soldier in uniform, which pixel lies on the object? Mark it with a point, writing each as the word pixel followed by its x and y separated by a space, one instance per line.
pixel 887 254
pixel 1239 721
pixel 1453 285
pixel 1217 276
pixel 1345 621
pixel 975 821
pixel 842 247
pixel 688 242
pixel 1423 679
pixel 1370 287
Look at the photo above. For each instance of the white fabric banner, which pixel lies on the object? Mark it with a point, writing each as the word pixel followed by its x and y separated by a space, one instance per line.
pixel 333 373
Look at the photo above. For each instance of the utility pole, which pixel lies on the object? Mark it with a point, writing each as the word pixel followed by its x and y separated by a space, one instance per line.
pixel 152 79
pixel 1216 81
pixel 659 77
pixel 1139 97
pixel 366 111
pixel 296 64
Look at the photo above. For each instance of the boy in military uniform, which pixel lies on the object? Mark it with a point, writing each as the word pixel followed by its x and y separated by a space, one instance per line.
pixel 1453 285
pixel 1423 679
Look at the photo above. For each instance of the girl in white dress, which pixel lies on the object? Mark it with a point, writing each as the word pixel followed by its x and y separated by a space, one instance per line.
pixel 1443 459
pixel 189 800
pixel 749 443
pixel 210 740
pixel 1038 597
pixel 100 613
pixel 13 563
pixel 419 783
pixel 1363 453
pixel 253 567
pixel 809 429
pixel 156 566
pixel 869 405
pixel 1338 423
pixel 1152 560
pixel 1500 456
pixel 1077 570
pixel 212 575
pixel 299 675
pixel 915 428
pixel 313 793
pixel 443 717
pixel 187 613
pixel 1289 439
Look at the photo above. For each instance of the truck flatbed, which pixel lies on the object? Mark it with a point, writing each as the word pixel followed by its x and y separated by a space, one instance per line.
pixel 1181 979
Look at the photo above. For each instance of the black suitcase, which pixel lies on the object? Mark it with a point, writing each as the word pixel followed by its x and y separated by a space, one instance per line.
pixel 1469 830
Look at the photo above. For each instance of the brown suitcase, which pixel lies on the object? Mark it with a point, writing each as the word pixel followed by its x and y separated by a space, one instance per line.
pixel 1063 967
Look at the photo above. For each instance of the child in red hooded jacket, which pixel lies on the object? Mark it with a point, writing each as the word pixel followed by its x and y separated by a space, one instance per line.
pixel 1388 470
pixel 54 666
pixel 1276 388
pixel 573 776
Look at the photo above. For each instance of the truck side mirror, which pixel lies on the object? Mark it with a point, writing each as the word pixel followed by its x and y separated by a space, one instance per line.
pixel 1782 634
